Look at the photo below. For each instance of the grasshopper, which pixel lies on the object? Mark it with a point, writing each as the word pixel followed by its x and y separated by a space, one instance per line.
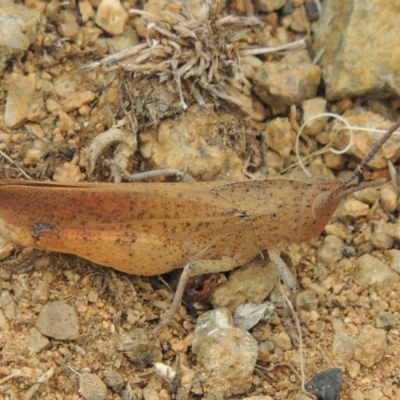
pixel 153 228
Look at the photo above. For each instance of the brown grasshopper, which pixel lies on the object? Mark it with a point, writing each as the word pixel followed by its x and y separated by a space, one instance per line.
pixel 153 228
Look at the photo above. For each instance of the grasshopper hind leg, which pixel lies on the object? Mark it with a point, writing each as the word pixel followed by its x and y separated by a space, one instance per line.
pixel 198 267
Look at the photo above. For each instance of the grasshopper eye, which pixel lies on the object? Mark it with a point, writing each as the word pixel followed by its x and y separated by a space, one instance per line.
pixel 323 205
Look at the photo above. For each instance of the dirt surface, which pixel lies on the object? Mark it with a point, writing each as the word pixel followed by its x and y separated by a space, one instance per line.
pixel 344 314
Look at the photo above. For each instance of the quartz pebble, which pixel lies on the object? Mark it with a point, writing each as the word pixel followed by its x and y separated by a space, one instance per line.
pixel 230 350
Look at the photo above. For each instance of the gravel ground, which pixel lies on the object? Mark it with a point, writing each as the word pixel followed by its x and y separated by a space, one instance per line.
pixel 69 100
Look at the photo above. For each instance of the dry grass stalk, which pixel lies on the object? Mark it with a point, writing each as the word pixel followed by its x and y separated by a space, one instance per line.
pixel 194 51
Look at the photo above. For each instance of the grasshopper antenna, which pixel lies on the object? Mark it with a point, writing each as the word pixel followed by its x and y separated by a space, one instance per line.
pixel 360 167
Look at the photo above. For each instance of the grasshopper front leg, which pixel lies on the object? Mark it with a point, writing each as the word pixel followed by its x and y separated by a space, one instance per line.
pixel 198 267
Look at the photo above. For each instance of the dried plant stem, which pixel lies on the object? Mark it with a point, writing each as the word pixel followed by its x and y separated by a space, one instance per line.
pixel 298 44
pixel 43 379
pixel 4 155
pixel 298 326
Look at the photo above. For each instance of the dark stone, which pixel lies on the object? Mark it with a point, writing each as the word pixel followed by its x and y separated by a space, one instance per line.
pixel 288 8
pixel 326 385
pixel 311 11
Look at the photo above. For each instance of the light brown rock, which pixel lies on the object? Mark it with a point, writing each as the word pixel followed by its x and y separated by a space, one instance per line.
pixel 199 139
pixel 222 347
pixel 19 28
pixel 343 344
pixel 24 100
pixel 281 84
pixel 347 55
pixel 36 341
pixel 280 136
pixel 253 282
pixel 268 5
pixel 370 346
pixel 77 100
pixel 373 271
pixel 389 198
pixel 312 108
pixel 91 387
pixel 59 321
pixel 137 346
pixel 351 208
pixel 394 259
pixel 331 250
pixel 380 235
pixel 111 17
pixel 369 196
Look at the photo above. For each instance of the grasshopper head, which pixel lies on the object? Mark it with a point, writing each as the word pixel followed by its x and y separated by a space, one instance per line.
pixel 322 200
pixel 324 194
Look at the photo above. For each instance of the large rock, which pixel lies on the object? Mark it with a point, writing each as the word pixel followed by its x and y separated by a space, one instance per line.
pixel 359 38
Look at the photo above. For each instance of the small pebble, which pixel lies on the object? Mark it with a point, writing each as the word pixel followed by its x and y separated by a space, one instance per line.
pixel 269 5
pixel 59 321
pixel 150 394
pixel 281 84
pixel 288 8
pixel 369 196
pixel 68 172
pixel 380 235
pixel 141 350
pixel 331 250
pixel 91 387
pixel 249 314
pixel 24 101
pixel 280 136
pixel 386 320
pixel 254 283
pixel 311 10
pixel 343 344
pixel 111 17
pixel 36 341
pixel 394 259
pixel 389 198
pixel 42 291
pixel 370 346
pixel 8 305
pixel 371 271
pixel 74 101
pixel 282 341
pixel 353 368
pixel 326 385
pixel 307 301
pixel 351 208
pixel 114 381
pixel 230 350
pixel 19 29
